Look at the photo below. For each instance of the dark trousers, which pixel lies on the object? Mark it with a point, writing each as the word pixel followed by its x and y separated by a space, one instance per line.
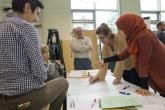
pixel 82 64
pixel 53 91
pixel 162 95
pixel 132 76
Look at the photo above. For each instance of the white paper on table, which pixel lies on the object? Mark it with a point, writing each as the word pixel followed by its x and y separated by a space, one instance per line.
pixel 78 74
pixel 85 102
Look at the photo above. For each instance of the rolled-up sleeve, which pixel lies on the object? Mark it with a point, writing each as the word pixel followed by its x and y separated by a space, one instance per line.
pixel 124 54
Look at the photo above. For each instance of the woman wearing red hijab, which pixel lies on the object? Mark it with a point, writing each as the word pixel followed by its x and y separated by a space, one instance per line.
pixel 148 52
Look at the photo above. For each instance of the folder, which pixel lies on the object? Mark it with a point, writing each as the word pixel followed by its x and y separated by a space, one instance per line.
pixel 119 102
pixel 79 74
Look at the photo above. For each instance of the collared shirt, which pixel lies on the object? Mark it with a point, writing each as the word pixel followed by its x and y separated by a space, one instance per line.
pixel 21 63
pixel 81 47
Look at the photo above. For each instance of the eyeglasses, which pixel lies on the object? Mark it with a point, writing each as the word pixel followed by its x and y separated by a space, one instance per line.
pixel 101 37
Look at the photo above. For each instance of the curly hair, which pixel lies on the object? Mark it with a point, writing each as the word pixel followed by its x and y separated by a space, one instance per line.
pixel 104 29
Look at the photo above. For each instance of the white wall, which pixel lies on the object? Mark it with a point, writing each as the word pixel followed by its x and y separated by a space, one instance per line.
pixel 132 6
pixel 56 14
pixel 4 3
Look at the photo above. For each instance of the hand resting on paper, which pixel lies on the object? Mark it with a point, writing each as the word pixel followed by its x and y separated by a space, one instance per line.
pixel 93 79
pixel 116 81
pixel 143 92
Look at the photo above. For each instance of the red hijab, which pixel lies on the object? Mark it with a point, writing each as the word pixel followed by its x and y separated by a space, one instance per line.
pixel 131 25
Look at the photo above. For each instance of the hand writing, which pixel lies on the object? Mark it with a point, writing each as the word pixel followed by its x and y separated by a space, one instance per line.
pixel 93 79
pixel 116 81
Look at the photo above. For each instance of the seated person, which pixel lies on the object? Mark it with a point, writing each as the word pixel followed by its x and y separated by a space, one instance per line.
pixel 22 69
pixel 53 69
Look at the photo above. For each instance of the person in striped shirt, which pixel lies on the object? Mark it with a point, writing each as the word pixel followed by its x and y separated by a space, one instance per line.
pixel 22 69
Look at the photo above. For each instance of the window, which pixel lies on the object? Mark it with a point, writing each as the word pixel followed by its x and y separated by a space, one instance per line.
pixel 155 10
pixel 87 26
pixel 89 14
pixel 82 4
pixel 106 4
pixel 151 6
pixel 109 18
pixel 82 15
pixel 163 16
pixel 162 5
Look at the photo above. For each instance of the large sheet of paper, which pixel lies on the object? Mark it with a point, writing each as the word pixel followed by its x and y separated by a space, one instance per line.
pixel 83 73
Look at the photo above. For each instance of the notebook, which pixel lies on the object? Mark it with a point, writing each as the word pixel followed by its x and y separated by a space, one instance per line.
pixel 119 102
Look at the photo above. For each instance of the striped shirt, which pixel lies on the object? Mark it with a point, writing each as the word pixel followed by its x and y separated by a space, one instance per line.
pixel 21 64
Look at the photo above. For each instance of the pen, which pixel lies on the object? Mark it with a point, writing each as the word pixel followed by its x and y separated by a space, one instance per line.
pixel 126 87
pixel 88 74
pixel 74 105
pixel 71 105
pixel 124 93
pixel 99 103
pixel 94 101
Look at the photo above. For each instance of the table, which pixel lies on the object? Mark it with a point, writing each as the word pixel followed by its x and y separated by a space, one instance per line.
pixel 84 96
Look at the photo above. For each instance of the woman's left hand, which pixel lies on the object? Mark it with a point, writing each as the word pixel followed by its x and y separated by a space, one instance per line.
pixel 143 92
pixel 116 81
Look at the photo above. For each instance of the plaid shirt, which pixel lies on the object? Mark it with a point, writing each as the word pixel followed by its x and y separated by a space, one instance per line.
pixel 21 63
